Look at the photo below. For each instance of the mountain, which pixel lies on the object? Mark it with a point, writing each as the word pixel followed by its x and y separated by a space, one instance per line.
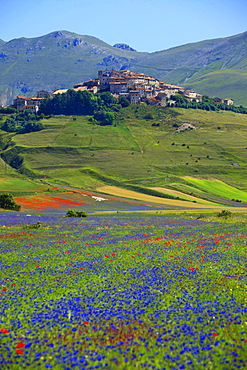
pixel 61 59
pixel 193 66
pixel 57 60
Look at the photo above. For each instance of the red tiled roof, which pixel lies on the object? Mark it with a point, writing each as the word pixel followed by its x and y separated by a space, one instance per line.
pixel 23 97
pixel 117 83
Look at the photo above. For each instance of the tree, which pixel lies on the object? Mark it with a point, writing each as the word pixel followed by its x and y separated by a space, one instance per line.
pixel 7 202
pixel 32 126
pixel 123 101
pixel 108 98
pixel 72 103
pixel 72 213
pixel 105 118
pixel 22 123
pixel 8 110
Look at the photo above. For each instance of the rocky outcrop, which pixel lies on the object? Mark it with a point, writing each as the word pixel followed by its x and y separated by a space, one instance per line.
pixel 114 61
pixel 124 47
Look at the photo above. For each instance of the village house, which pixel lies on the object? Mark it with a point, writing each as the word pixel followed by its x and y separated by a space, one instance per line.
pixel 170 89
pixel 42 94
pixel 24 103
pixel 59 91
pixel 223 101
pixel 227 101
pixel 134 97
pixel 89 83
pixel 118 87
pixel 191 95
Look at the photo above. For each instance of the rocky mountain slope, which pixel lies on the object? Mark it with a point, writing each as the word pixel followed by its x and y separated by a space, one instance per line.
pixel 62 59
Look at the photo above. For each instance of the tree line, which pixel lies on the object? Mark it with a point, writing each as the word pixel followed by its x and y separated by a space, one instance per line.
pixel 207 103
pixel 101 106
pixel 22 123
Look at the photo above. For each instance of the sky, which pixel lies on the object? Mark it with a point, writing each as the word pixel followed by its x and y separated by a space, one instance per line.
pixel 145 25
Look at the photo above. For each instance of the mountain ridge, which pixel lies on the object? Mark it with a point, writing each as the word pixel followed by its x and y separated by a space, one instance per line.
pixel 61 59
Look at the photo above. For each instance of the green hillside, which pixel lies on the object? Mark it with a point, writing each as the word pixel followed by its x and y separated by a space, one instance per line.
pixel 136 151
pixel 213 84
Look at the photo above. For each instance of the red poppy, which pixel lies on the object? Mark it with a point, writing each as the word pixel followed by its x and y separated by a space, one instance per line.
pixel 20 345
pixel 19 351
pixel 85 322
pixel 2 330
pixel 215 334
pixel 4 289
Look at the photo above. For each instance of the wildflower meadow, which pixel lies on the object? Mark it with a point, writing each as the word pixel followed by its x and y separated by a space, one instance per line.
pixel 123 291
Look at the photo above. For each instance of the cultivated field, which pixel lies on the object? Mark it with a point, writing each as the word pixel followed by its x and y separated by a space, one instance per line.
pixel 136 150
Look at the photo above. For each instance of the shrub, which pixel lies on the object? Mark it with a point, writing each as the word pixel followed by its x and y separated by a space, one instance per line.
pixel 36 225
pixel 7 202
pixel 8 110
pixel 200 216
pixel 22 123
pixel 105 118
pixel 224 214
pixel 148 116
pixel 124 102
pixel 72 213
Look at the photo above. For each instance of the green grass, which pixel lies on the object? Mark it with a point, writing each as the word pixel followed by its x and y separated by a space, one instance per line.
pixel 19 186
pixel 135 152
pixel 218 188
pixel 213 83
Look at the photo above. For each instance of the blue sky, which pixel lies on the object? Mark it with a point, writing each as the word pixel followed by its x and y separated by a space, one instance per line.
pixel 146 25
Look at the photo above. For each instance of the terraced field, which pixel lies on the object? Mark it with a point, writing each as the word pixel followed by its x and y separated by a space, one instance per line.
pixel 146 154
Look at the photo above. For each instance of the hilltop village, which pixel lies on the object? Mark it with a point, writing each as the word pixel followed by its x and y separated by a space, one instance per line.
pixel 136 87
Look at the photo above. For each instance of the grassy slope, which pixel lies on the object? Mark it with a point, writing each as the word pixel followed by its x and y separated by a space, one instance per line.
pixel 192 65
pixel 19 186
pixel 214 84
pixel 218 188
pixel 136 152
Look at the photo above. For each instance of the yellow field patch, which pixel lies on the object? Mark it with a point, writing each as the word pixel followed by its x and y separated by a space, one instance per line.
pixel 113 190
pixel 179 194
